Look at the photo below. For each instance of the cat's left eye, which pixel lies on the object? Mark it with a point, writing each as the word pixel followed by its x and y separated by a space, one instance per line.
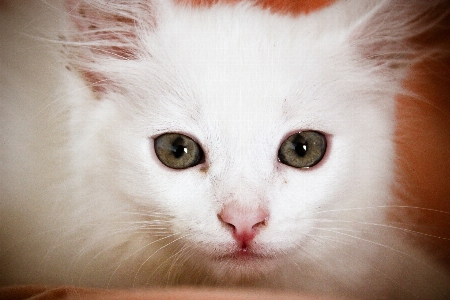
pixel 178 151
pixel 303 149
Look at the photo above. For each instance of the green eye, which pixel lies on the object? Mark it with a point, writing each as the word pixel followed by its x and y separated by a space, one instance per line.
pixel 303 150
pixel 178 151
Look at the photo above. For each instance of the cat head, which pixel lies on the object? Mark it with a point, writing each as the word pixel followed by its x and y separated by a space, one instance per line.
pixel 247 128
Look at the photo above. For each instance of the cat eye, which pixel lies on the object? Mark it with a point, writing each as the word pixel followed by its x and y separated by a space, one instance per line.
pixel 303 149
pixel 178 151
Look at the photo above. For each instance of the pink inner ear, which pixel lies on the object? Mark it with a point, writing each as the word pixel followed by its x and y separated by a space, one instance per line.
pixel 98 83
pixel 106 32
pixel 93 24
pixel 81 14
pixel 85 15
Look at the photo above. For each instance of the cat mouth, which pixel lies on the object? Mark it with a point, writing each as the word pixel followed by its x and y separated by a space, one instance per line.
pixel 244 254
pixel 241 254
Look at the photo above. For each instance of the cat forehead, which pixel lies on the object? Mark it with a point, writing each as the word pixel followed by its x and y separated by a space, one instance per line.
pixel 247 64
pixel 243 39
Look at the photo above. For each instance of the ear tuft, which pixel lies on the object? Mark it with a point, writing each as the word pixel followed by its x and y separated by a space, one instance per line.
pixel 104 31
pixel 396 34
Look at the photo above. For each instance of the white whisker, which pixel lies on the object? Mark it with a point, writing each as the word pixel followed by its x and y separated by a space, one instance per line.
pixel 153 254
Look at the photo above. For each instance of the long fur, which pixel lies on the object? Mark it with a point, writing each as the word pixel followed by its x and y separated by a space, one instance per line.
pixel 85 200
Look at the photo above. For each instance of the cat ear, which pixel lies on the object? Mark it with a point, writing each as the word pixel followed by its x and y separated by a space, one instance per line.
pixel 393 34
pixel 103 31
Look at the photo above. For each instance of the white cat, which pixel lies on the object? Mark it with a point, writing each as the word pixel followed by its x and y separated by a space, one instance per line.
pixel 156 143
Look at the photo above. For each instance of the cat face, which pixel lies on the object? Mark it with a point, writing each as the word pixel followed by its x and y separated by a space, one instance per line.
pixel 231 85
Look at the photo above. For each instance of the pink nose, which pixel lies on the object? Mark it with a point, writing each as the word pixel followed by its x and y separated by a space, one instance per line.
pixel 244 221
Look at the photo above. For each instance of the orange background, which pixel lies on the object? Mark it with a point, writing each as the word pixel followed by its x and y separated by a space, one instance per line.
pixel 423 144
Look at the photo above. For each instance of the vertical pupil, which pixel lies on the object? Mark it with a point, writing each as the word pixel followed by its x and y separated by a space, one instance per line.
pixel 179 151
pixel 178 148
pixel 301 149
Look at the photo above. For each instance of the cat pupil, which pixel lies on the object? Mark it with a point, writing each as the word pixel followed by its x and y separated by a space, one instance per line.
pixel 301 149
pixel 178 149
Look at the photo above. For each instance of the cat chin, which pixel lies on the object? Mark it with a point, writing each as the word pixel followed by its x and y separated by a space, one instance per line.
pixel 239 270
pixel 246 259
pixel 242 265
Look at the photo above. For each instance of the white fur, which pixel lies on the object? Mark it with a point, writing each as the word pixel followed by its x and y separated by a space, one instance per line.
pixel 85 200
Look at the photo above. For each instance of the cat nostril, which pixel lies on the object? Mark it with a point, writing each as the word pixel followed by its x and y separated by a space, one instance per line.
pixel 226 223
pixel 262 223
pixel 243 221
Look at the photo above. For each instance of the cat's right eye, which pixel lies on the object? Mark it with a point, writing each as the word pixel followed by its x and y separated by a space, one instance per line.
pixel 178 151
pixel 303 149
